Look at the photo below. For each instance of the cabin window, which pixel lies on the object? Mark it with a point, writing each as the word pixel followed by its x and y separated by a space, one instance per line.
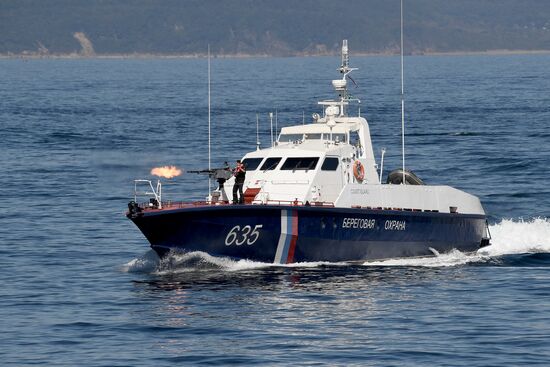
pixel 354 139
pixel 252 163
pixel 300 163
pixel 330 164
pixel 339 138
pixel 286 138
pixel 313 136
pixel 270 164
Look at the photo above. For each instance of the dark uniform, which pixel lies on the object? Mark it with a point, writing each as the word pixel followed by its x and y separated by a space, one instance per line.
pixel 239 173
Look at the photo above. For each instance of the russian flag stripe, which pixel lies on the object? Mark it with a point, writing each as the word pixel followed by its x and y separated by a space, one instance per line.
pixel 293 237
pixel 287 240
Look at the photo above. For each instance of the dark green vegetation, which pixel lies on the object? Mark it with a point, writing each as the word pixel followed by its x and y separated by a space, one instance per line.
pixel 262 27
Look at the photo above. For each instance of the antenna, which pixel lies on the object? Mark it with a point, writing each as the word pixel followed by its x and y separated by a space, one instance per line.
pixel 257 132
pixel 271 124
pixel 276 125
pixel 402 99
pixel 345 56
pixel 383 151
pixel 341 85
pixel 209 130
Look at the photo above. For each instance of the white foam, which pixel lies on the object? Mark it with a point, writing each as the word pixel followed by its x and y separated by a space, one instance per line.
pixel 178 262
pixel 146 263
pixel 508 237
pixel 452 258
pixel 519 236
pixel 198 261
pixel 181 262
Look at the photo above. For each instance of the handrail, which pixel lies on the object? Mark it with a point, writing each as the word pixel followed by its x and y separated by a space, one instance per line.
pixel 157 194
pixel 166 205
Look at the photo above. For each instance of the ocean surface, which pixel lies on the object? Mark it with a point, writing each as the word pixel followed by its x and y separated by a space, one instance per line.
pixel 80 287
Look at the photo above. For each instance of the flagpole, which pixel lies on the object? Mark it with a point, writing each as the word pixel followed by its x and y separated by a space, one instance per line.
pixel 209 131
pixel 402 99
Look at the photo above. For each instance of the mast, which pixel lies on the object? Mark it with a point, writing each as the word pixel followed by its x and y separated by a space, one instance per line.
pixel 402 99
pixel 276 125
pixel 271 127
pixel 209 130
pixel 340 85
pixel 257 132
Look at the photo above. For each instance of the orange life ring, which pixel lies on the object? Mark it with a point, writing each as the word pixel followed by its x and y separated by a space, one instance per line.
pixel 358 171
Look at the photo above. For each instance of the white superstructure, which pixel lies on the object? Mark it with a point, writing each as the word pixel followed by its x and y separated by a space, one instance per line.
pixel 331 162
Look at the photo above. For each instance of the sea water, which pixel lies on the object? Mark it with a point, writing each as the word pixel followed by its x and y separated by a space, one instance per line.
pixel 79 285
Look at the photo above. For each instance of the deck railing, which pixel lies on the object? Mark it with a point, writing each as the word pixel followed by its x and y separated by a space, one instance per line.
pixel 167 205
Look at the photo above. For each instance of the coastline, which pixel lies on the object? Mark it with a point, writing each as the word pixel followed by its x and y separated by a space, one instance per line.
pixel 77 56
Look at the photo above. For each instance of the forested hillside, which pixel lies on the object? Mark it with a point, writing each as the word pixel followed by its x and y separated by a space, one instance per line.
pixel 262 27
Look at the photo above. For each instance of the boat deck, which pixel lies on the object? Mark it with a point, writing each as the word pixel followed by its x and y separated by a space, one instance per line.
pixel 171 205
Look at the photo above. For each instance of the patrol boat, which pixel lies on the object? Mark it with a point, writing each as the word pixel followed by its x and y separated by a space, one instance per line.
pixel 317 194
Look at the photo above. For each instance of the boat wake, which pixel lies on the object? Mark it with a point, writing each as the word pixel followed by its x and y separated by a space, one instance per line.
pixel 514 243
pixel 519 237
pixel 452 258
pixel 180 262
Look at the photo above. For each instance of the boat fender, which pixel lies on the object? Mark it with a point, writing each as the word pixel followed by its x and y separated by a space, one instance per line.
pixel 395 177
pixel 358 171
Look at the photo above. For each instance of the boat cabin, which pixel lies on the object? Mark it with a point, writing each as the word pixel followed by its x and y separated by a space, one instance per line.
pixel 310 163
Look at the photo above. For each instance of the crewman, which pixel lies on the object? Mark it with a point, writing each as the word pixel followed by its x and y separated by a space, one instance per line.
pixel 239 172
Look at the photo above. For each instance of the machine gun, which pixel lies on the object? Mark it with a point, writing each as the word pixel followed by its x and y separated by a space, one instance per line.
pixel 215 173
pixel 220 175
pixel 208 172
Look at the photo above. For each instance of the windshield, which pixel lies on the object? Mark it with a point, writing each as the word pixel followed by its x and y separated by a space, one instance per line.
pixel 300 163
pixel 339 138
pixel 270 164
pixel 285 138
pixel 330 164
pixel 252 163
pixel 312 136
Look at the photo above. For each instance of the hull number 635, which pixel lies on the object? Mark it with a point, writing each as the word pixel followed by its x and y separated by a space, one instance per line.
pixel 239 236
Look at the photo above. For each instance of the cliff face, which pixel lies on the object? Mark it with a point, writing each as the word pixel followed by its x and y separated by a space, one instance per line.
pixel 265 27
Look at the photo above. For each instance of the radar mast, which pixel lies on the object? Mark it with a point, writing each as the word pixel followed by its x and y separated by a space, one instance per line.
pixel 341 85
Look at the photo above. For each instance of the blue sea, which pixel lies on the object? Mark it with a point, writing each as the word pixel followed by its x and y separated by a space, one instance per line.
pixel 80 287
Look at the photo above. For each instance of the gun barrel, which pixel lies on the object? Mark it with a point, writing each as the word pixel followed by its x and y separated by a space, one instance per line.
pixel 202 171
pixel 214 173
